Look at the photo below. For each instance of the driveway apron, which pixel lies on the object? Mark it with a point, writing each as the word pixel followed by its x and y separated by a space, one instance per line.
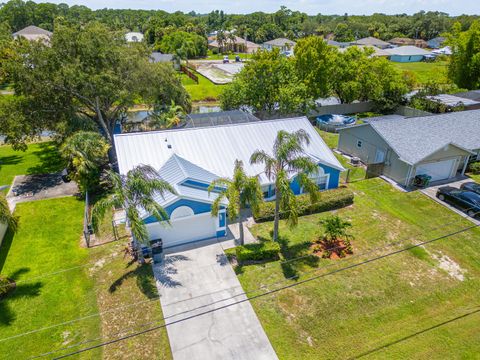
pixel 194 279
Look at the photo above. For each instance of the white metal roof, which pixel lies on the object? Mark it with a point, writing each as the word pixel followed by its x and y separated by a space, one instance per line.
pixel 408 50
pixel 215 149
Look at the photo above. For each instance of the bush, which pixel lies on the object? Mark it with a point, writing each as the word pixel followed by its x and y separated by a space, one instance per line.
pixel 268 250
pixel 475 168
pixel 328 200
pixel 5 286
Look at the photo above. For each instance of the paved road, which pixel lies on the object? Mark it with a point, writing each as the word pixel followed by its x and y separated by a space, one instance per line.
pixel 194 279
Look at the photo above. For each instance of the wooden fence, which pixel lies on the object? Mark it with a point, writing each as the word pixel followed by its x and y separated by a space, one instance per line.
pixel 189 73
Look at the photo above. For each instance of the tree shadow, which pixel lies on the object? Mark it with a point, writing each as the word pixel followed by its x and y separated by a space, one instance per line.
pixel 5 247
pixel 165 270
pixel 9 160
pixel 144 279
pixel 50 159
pixel 21 291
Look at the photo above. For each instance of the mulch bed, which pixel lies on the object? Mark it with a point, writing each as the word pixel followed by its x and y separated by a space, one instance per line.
pixel 6 287
pixel 328 251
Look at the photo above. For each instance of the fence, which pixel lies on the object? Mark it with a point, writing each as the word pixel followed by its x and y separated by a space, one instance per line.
pixel 189 73
pixel 86 221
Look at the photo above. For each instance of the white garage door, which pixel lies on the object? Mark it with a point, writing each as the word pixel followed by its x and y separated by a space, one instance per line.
pixel 181 231
pixel 439 170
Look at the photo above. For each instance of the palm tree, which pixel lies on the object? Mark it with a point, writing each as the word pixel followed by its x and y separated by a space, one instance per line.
pixel 240 191
pixel 6 217
pixel 289 159
pixel 168 117
pixel 335 228
pixel 135 193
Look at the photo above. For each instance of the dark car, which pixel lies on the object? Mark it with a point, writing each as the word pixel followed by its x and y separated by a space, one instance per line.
pixel 471 186
pixel 467 201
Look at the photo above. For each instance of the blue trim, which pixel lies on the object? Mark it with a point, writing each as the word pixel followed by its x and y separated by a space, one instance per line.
pixel 221 233
pixel 221 220
pixel 332 182
pixel 197 207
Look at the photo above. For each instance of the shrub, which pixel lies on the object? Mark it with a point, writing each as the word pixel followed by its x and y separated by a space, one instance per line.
pixel 268 250
pixel 328 200
pixel 475 168
pixel 5 286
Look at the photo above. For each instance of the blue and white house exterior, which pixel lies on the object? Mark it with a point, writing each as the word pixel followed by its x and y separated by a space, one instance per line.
pixel 407 54
pixel 190 159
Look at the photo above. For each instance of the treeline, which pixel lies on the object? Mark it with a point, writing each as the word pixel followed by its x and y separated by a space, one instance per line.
pixel 258 27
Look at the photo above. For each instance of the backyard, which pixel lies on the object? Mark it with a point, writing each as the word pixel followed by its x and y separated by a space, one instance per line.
pixel 416 304
pixel 79 297
pixel 39 158
pixel 205 90
pixel 426 71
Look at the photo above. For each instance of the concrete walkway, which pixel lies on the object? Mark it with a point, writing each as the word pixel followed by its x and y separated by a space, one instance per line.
pixel 194 279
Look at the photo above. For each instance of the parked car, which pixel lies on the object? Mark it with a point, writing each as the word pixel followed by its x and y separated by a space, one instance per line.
pixel 225 59
pixel 467 201
pixel 471 186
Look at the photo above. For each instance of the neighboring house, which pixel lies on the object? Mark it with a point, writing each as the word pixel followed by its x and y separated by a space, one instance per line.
pixel 240 45
pixel 280 43
pixel 338 43
pixel 471 95
pixel 219 118
pixel 158 57
pixel 407 41
pixel 371 41
pixel 33 33
pixel 436 43
pixel 376 51
pixel 407 54
pixel 134 37
pixel 439 145
pixel 454 101
pixel 190 159
pixel 447 50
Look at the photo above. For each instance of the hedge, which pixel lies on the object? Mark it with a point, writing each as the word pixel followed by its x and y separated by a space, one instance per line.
pixel 475 167
pixel 327 200
pixel 267 250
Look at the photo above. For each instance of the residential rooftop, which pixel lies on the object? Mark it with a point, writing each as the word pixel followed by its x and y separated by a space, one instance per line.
pixel 407 50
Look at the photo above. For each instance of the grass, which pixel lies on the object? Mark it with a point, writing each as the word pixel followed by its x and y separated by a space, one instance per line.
pixel 205 90
pixel 39 158
pixel 100 281
pixel 356 173
pixel 426 71
pixel 475 177
pixel 401 307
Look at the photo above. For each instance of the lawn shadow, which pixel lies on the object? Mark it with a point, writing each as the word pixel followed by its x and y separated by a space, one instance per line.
pixel 165 270
pixel 5 247
pixel 144 279
pixel 21 290
pixel 296 256
pixel 10 160
pixel 50 159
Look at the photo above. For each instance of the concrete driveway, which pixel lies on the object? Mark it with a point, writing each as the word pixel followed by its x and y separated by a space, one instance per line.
pixel 432 191
pixel 197 278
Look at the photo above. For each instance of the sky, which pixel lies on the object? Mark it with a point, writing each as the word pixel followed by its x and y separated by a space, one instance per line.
pixel 360 7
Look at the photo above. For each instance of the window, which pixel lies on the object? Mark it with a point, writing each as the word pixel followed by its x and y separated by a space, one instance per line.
pixel 359 143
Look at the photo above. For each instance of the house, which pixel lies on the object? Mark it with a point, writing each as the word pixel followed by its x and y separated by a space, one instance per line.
pixel 158 57
pixel 371 41
pixel 33 33
pixel 190 159
pixel 438 145
pixel 471 95
pixel 239 45
pixel 436 43
pixel 280 43
pixel 133 37
pixel 376 51
pixel 338 43
pixel 407 54
pixel 447 50
pixel 399 41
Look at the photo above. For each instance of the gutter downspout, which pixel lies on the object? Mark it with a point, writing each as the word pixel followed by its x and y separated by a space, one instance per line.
pixel 465 165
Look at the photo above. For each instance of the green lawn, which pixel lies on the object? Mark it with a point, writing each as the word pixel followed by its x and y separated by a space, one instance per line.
pixel 425 71
pixel 40 158
pixel 475 177
pixel 394 308
pixel 205 90
pixel 100 280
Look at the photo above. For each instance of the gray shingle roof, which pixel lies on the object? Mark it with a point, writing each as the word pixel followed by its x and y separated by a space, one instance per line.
pixel 413 139
pixel 472 95
pixel 372 41
pixel 32 30
pixel 280 42
pixel 408 51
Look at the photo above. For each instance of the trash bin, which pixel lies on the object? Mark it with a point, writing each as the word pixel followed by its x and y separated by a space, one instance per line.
pixel 157 249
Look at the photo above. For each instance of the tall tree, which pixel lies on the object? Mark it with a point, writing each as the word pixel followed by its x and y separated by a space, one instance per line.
pixel 134 193
pixel 288 159
pixel 268 83
pixel 464 67
pixel 241 191
pixel 88 73
pixel 313 63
